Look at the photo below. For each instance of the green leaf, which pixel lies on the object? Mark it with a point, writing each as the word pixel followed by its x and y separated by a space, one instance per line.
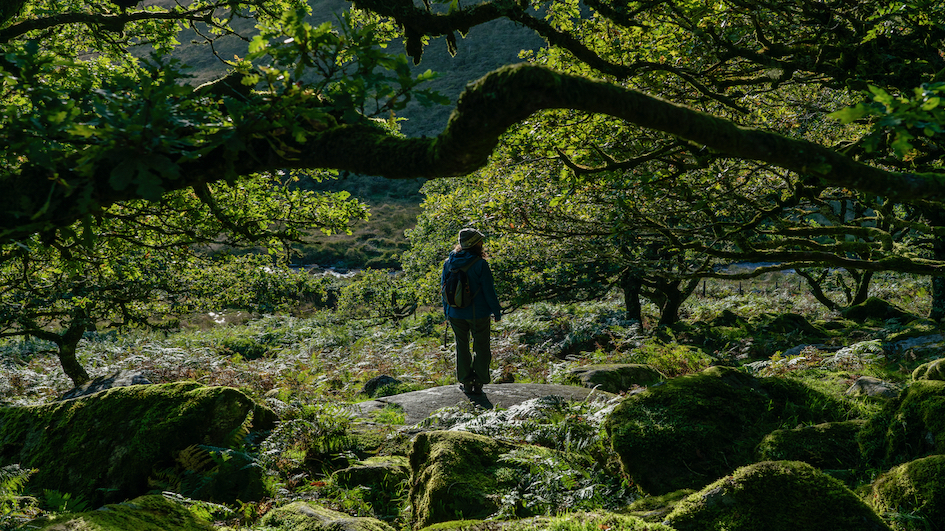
pixel 850 114
pixel 931 103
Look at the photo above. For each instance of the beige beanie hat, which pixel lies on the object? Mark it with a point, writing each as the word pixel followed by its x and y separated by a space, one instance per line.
pixel 468 238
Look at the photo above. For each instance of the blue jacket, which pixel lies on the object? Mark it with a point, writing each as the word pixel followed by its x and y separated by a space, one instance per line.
pixel 486 302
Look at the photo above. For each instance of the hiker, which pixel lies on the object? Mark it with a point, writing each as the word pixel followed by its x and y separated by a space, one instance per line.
pixel 472 368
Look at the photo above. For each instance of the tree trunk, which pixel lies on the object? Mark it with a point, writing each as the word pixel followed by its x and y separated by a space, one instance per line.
pixel 68 343
pixel 937 309
pixel 70 364
pixel 937 312
pixel 816 290
pixel 632 285
pixel 862 288
pixel 673 299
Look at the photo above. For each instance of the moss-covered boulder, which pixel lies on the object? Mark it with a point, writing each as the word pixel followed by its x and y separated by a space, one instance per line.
pixel 830 446
pixel 383 477
pixel 933 370
pixel 871 388
pixel 105 446
pixel 876 309
pixel 692 429
pixel 146 513
pixel 656 508
pixel 381 472
pixel 614 377
pixel 908 427
pixel 305 516
pixel 785 323
pixel 453 476
pixel 775 496
pixel 578 521
pixel 916 488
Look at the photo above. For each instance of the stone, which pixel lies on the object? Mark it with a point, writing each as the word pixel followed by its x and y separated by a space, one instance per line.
pixel 372 386
pixel 916 488
pixel 614 378
pixel 830 446
pixel 453 476
pixel 381 472
pixel 146 513
pixel 117 379
pixel 383 477
pixel 868 386
pixel 690 429
pixel 105 446
pixel 877 309
pixel 909 426
pixel 933 370
pixel 775 496
pixel 572 521
pixel 306 516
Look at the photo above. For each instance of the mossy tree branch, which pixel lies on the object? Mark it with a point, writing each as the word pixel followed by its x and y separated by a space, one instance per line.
pixel 484 112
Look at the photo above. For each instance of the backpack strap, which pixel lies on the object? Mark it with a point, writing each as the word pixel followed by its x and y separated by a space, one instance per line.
pixel 465 268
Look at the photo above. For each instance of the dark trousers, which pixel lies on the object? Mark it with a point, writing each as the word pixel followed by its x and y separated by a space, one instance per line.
pixel 472 366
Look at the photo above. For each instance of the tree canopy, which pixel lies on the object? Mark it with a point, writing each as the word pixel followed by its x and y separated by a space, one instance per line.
pixel 73 119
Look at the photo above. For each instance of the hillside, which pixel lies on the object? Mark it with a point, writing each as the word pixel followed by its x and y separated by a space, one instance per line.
pixel 394 204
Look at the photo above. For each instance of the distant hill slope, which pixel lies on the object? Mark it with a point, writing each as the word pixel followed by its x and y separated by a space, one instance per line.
pixel 484 49
pixel 395 204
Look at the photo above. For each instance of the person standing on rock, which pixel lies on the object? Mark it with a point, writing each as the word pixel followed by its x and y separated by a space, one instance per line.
pixel 472 367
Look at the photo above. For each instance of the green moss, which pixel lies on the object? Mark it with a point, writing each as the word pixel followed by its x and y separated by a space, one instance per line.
pixel 692 429
pixel 305 516
pixel 775 496
pixel 933 370
pixel 875 309
pixel 908 427
pixel 588 522
pixel 105 446
pixel 147 513
pixel 579 521
pixel 614 377
pixel 453 476
pixel 825 446
pixel 655 508
pixel 916 489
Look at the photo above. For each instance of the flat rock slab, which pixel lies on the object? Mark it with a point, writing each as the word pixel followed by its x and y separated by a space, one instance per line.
pixel 418 405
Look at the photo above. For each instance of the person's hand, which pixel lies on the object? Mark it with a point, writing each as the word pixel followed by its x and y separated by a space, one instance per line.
pixel 496 318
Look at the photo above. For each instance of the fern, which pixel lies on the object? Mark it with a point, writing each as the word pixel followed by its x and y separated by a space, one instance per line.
pixel 15 508
pixel 236 439
pixel 12 480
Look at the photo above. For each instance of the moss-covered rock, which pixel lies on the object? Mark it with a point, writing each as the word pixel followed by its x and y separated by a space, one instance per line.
pixel 876 309
pixel 691 429
pixel 933 370
pixel 105 446
pixel 908 427
pixel 872 388
pixel 775 496
pixel 453 476
pixel 791 323
pixel 916 488
pixel 614 377
pixel 305 516
pixel 829 446
pixel 570 522
pixel 381 471
pixel 147 513
pixel 655 508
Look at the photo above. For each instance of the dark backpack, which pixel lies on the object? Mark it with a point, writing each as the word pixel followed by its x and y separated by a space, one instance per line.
pixel 456 286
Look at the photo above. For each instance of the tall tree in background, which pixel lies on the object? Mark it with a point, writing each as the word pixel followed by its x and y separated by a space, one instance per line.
pixel 145 264
pixel 85 126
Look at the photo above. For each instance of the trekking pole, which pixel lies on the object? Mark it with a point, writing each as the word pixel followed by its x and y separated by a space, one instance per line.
pixel 445 332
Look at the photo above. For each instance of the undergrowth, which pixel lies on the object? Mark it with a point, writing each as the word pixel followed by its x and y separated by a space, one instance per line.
pixel 308 366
